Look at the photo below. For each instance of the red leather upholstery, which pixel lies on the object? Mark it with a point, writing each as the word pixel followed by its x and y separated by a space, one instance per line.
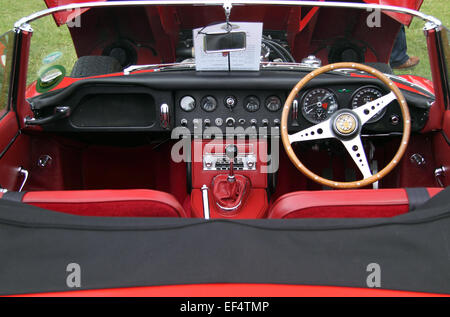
pixel 108 203
pixel 360 203
pixel 230 194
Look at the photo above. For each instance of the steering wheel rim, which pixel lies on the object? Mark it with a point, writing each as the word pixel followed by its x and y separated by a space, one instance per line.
pixel 345 125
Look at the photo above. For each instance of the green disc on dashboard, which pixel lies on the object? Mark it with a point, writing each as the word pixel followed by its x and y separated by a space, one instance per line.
pixel 50 78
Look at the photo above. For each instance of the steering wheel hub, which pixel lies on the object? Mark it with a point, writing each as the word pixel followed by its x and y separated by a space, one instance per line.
pixel 345 124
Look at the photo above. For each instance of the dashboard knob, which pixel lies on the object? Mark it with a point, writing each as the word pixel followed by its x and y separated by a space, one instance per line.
pixel 196 123
pixel 276 122
pixel 265 122
pixel 253 122
pixel 394 119
pixel 207 123
pixel 251 161
pixel 208 161
pixel 231 151
pixel 230 122
pixel 184 122
pixel 230 102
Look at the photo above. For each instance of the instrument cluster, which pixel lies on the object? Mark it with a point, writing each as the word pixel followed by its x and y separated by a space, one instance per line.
pixel 261 108
pixel 222 109
pixel 319 104
pixel 250 103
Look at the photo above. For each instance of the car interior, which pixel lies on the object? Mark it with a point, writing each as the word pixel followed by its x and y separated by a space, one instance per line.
pixel 134 130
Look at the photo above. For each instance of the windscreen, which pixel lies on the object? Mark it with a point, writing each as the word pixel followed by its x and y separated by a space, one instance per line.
pixel 6 55
pixel 108 40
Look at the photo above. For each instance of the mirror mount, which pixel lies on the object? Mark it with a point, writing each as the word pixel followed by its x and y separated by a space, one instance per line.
pixel 227 6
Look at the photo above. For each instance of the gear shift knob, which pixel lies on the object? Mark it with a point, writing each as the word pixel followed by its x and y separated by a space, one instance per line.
pixel 231 151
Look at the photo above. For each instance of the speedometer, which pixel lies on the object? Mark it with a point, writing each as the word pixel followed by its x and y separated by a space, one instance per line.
pixel 365 95
pixel 318 105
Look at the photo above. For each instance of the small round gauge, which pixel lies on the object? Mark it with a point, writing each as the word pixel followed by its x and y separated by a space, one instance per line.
pixel 273 103
pixel 318 105
pixel 209 103
pixel 251 103
pixel 365 95
pixel 187 103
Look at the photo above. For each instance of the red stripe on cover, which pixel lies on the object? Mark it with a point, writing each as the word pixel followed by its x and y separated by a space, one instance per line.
pixel 237 290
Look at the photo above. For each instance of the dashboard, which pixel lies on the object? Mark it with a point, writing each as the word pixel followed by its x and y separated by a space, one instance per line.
pixel 246 101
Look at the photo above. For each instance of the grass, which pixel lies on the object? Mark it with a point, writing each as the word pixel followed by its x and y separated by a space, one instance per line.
pixel 416 39
pixel 46 40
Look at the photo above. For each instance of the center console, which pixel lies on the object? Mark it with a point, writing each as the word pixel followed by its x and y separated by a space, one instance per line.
pixel 229 179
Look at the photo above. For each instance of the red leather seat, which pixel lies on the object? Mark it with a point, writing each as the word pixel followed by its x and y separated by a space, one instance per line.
pixel 108 203
pixel 360 203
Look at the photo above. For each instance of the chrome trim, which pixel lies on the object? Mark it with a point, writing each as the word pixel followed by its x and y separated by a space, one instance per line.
pixel 25 174
pixel 133 68
pixel 438 174
pixel 164 116
pixel 226 3
pixel 205 200
pixel 295 109
pixel 418 159
pixel 229 208
pixel 374 168
pixel 381 134
pixel 44 160
pixel 23 27
pixel 430 25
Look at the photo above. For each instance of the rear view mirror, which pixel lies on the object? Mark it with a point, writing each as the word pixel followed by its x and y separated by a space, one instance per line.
pixel 225 42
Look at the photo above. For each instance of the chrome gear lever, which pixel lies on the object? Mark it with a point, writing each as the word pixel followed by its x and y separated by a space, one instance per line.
pixel 231 152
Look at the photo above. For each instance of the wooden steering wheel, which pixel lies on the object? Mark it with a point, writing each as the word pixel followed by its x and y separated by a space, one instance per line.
pixel 345 125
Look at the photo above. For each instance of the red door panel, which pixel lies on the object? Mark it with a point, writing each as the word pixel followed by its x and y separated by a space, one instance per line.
pixel 442 147
pixel 14 149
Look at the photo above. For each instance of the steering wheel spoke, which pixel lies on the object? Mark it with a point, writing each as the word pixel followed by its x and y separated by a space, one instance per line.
pixel 367 111
pixel 356 150
pixel 316 132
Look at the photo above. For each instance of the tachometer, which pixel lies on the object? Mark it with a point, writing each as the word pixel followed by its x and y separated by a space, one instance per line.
pixel 318 105
pixel 209 103
pixel 365 95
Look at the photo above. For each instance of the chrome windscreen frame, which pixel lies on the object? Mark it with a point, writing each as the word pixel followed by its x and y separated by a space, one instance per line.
pixel 227 5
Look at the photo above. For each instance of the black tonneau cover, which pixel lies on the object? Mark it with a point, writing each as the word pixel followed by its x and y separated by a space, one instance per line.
pixel 36 246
